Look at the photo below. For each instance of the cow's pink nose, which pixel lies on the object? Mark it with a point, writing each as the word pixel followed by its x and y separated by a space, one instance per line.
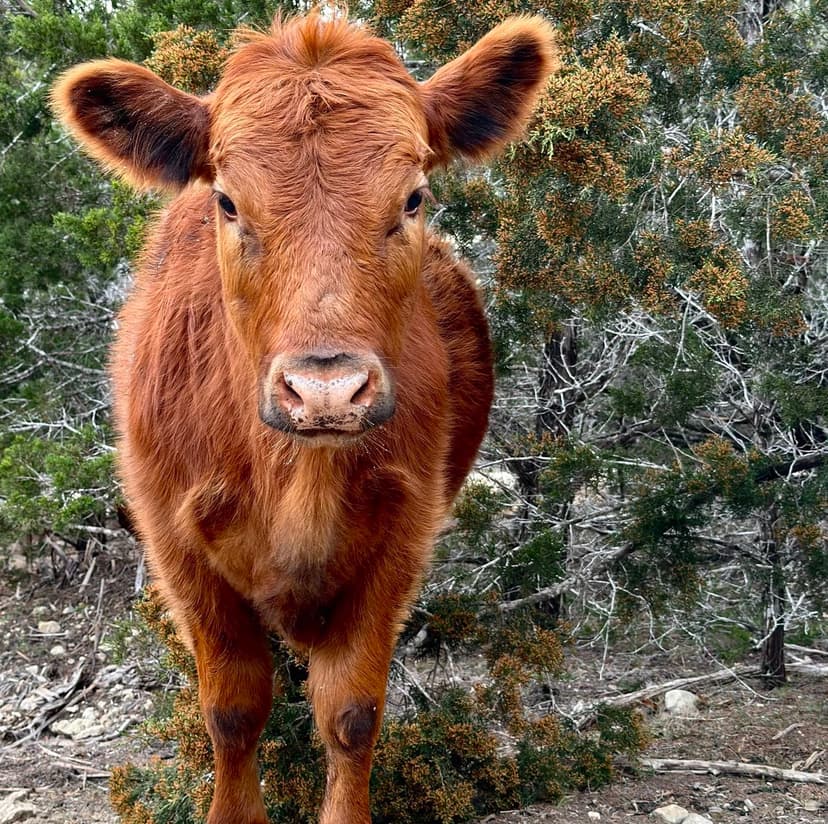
pixel 316 397
pixel 342 392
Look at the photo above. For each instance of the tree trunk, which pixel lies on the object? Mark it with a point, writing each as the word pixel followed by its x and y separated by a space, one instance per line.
pixel 557 398
pixel 556 404
pixel 773 647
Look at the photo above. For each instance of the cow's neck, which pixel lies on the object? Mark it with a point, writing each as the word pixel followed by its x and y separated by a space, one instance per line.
pixel 307 508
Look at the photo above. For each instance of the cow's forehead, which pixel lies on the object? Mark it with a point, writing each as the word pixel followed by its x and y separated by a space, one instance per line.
pixel 316 90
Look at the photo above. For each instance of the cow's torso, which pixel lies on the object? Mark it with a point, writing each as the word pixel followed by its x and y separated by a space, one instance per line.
pixel 286 525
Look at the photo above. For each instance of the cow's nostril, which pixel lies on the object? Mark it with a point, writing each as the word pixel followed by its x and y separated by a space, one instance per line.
pixel 288 397
pixel 365 395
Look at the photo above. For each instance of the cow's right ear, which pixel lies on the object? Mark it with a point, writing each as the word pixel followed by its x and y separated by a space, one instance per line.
pixel 135 124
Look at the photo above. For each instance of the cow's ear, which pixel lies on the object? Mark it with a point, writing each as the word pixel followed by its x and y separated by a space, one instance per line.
pixel 135 124
pixel 482 100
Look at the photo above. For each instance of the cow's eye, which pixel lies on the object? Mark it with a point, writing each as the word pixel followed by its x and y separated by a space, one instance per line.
pixel 227 206
pixel 412 205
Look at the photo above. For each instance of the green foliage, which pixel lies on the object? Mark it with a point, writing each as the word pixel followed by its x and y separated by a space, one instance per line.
pixel 552 759
pixel 441 765
pixel 467 205
pixel 102 237
pixel 477 507
pixel 572 467
pixel 453 619
pixel 536 563
pixel 152 796
pixel 48 486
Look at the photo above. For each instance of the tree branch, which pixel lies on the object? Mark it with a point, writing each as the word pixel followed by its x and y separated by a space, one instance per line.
pixel 732 768
pixel 783 469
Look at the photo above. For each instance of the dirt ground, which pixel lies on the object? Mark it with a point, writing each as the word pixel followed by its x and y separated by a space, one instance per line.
pixel 59 670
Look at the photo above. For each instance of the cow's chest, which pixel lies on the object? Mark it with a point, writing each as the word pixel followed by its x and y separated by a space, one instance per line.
pixel 292 557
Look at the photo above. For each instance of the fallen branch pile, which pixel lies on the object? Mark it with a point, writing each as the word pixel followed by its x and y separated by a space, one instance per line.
pixel 587 714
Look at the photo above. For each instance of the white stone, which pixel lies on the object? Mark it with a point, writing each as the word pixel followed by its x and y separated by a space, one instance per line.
pixel 18 563
pixel 681 703
pixel 78 729
pixel 594 816
pixel 671 814
pixel 48 627
pixel 31 702
pixel 695 818
pixel 57 651
pixel 498 480
pixel 14 808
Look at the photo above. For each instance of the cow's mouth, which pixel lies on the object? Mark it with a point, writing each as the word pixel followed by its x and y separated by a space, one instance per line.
pixel 316 433
pixel 326 437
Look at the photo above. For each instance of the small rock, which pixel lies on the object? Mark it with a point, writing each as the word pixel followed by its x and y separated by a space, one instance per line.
pixel 681 703
pixel 40 611
pixel 671 814
pixel 695 818
pixel 31 702
pixel 593 816
pixel 87 731
pixel 57 651
pixel 13 807
pixel 48 627
pixel 87 725
pixel 18 563
pixel 812 805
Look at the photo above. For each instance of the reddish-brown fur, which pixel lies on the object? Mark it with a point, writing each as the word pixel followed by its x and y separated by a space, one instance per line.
pixel 319 137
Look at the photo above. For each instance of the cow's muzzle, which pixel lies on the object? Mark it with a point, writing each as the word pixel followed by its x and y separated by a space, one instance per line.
pixel 318 393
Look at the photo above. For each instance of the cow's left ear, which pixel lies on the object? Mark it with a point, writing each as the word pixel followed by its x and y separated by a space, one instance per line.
pixel 482 100
pixel 135 124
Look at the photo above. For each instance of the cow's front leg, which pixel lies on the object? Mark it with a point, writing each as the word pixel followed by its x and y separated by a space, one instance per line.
pixel 235 690
pixel 347 680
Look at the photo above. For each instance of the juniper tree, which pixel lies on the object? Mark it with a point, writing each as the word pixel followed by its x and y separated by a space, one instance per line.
pixel 660 267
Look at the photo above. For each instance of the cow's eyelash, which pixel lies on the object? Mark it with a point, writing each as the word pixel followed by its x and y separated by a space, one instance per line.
pixel 225 204
pixel 416 199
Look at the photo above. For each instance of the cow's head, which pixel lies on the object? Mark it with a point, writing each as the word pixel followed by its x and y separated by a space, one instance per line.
pixel 317 144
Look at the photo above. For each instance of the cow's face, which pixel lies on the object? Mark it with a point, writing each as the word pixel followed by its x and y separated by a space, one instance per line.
pixel 319 147
pixel 317 144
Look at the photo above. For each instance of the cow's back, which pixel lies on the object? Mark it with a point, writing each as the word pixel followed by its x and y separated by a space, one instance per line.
pixel 464 331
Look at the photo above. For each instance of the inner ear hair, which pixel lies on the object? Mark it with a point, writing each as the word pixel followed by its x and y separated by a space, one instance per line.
pixel 482 100
pixel 135 124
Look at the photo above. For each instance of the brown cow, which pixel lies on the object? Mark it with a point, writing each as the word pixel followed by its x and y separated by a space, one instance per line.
pixel 302 374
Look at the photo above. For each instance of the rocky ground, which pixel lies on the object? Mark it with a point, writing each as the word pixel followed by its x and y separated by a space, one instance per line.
pixel 77 678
